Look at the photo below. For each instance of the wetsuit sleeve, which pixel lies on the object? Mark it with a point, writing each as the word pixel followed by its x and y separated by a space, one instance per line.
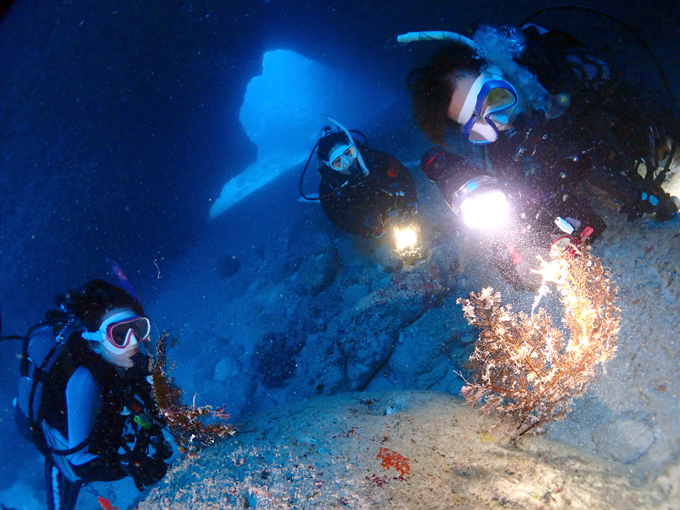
pixel 448 171
pixel 83 403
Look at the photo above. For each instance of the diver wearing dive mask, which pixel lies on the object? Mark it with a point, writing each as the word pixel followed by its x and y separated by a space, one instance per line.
pixel 548 110
pixel 361 187
pixel 343 157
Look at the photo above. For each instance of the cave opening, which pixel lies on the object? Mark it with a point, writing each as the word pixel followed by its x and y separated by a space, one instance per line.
pixel 284 110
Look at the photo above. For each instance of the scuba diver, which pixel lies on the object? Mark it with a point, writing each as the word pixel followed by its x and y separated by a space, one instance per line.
pixel 550 112
pixel 362 190
pixel 84 396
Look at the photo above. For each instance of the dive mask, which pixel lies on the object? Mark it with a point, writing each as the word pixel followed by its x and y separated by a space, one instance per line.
pixel 346 160
pixel 118 331
pixel 342 157
pixel 488 107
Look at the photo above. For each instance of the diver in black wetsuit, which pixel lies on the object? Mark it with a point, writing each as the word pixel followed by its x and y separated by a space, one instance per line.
pixel 96 418
pixel 552 113
pixel 362 190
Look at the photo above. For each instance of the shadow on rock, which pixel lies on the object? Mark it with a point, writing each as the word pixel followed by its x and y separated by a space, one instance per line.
pixel 227 266
pixel 273 360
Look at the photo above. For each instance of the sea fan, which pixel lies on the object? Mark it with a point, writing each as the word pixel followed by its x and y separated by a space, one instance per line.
pixel 525 367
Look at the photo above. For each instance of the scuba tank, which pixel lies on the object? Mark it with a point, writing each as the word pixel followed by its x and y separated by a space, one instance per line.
pixel 41 349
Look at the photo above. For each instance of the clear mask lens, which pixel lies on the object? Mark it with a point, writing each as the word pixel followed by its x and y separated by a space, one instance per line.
pixel 120 333
pixel 344 159
pixel 498 99
pixel 495 103
pixel 481 132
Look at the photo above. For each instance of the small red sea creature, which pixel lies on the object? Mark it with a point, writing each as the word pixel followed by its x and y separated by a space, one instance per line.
pixel 393 459
pixel 106 504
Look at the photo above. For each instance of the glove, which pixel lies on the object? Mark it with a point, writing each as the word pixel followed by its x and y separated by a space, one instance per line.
pixel 667 208
pixel 661 204
pixel 632 211
pixel 162 447
pixel 146 471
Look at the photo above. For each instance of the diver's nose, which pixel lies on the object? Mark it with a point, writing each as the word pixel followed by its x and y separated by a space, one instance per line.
pixel 134 339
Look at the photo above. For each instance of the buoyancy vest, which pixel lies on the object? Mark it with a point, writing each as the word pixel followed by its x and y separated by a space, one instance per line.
pixel 47 365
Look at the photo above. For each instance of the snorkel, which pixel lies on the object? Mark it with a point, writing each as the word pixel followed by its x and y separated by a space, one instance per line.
pixel 360 158
pixel 124 281
pixel 403 39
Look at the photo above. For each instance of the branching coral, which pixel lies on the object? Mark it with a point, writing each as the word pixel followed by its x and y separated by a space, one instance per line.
pixel 187 423
pixel 522 365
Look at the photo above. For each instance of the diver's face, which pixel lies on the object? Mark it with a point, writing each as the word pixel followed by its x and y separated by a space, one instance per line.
pixel 497 97
pixel 343 157
pixel 123 358
pixel 484 105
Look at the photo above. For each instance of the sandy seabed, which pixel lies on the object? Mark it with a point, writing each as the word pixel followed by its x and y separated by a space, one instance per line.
pixel 395 449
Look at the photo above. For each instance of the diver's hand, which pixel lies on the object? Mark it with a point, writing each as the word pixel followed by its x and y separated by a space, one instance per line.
pixel 163 449
pixel 146 471
pixel 658 203
pixel 667 208
pixel 632 211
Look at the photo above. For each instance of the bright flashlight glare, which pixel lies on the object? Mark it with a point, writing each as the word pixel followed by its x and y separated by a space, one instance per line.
pixel 549 271
pixel 487 210
pixel 406 238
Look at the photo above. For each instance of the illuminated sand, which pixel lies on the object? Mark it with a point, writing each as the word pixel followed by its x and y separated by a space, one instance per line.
pixel 330 452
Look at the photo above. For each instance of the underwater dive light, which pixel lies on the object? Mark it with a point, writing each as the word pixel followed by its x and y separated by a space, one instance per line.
pixel 406 238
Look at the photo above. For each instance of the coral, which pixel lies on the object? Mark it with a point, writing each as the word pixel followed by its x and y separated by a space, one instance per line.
pixel 187 423
pixel 526 368
pixel 395 460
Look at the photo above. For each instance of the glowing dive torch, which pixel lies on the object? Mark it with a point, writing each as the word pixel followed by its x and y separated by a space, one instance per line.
pixel 406 238
pixel 481 204
pixel 407 246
